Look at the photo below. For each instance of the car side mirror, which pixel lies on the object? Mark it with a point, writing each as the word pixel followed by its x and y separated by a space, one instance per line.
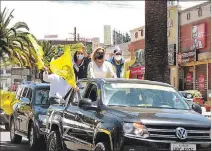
pixel 25 100
pixel 86 104
pixel 197 108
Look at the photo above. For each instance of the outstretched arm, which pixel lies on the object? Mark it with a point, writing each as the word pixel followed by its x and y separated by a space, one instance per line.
pixel 46 76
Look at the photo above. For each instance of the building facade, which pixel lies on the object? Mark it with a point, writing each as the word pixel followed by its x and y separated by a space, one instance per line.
pixel 5 78
pixel 138 41
pixel 138 38
pixel 194 57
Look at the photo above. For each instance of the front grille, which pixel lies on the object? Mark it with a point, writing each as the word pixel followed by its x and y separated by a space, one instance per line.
pixel 169 133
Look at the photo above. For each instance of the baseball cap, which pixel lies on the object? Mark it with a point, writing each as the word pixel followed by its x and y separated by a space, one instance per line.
pixel 117 51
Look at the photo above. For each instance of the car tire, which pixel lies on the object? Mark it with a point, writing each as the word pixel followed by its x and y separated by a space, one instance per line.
pixel 15 139
pixel 34 142
pixel 102 146
pixel 7 126
pixel 54 142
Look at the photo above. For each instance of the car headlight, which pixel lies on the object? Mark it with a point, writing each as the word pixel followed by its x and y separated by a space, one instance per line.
pixel 136 129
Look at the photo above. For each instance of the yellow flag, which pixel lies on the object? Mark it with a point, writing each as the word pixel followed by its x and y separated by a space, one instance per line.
pixel 63 66
pixel 7 102
pixel 38 50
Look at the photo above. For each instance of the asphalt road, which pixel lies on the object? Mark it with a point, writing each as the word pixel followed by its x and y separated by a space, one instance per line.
pixel 5 144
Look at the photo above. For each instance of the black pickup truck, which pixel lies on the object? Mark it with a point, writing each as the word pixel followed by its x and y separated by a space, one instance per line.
pixel 126 115
pixel 29 114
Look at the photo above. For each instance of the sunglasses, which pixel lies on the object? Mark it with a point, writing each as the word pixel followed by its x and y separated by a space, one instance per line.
pixel 79 53
pixel 118 54
pixel 100 52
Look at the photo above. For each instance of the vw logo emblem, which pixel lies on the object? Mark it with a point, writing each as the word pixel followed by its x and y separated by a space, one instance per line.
pixel 181 133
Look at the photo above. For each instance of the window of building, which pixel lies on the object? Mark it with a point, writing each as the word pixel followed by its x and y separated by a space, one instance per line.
pixel 188 16
pixel 142 32
pixel 1 71
pixel 8 70
pixel 136 35
pixel 17 80
pixel 200 12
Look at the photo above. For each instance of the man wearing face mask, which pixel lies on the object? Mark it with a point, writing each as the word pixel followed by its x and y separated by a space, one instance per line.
pixel 118 62
pixel 80 63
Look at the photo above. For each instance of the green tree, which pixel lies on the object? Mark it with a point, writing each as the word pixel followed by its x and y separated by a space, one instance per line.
pixel 48 49
pixel 156 51
pixel 127 37
pixel 14 44
pixel 89 48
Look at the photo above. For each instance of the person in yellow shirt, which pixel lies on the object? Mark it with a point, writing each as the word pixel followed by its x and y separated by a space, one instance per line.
pixel 128 63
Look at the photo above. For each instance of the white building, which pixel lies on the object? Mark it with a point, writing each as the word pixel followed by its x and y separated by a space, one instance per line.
pixel 137 34
pixel 5 78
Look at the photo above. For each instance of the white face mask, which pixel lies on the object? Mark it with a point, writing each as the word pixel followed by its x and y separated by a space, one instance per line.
pixel 80 57
pixel 118 57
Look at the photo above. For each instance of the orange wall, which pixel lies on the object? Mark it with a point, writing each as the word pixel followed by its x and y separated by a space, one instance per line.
pixel 140 44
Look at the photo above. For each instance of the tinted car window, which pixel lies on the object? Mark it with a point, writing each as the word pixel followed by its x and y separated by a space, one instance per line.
pixel 18 92
pixel 29 94
pixel 41 96
pixel 91 92
pixel 24 94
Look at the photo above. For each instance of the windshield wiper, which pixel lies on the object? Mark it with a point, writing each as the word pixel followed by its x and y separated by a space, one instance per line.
pixel 118 105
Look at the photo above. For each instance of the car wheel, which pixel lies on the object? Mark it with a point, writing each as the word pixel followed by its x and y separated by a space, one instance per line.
pixel 7 127
pixel 54 142
pixel 34 142
pixel 102 146
pixel 14 137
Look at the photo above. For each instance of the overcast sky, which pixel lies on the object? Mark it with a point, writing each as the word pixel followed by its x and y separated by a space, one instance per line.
pixel 60 17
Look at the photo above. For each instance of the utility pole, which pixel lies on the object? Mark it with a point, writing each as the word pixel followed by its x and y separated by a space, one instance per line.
pixel 78 37
pixel 75 34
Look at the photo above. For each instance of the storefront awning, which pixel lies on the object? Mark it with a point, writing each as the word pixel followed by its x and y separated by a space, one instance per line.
pixel 196 63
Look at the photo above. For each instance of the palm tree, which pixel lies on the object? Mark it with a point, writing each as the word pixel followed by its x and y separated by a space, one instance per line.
pixel 156 51
pixel 49 53
pixel 14 44
pixel 48 49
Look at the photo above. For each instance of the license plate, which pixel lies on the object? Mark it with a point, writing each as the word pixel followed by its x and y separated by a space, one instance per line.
pixel 183 147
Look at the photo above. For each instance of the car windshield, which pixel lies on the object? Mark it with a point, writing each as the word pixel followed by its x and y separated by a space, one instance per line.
pixel 41 96
pixel 142 95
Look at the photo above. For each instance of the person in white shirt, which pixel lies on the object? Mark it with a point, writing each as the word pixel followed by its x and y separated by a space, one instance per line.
pixel 98 67
pixel 58 86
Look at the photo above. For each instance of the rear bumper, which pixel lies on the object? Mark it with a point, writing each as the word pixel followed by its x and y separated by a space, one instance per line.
pixel 131 144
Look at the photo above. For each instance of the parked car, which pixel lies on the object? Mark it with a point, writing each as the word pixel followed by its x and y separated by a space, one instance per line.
pixel 26 121
pixel 190 100
pixel 193 96
pixel 4 119
pixel 123 115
